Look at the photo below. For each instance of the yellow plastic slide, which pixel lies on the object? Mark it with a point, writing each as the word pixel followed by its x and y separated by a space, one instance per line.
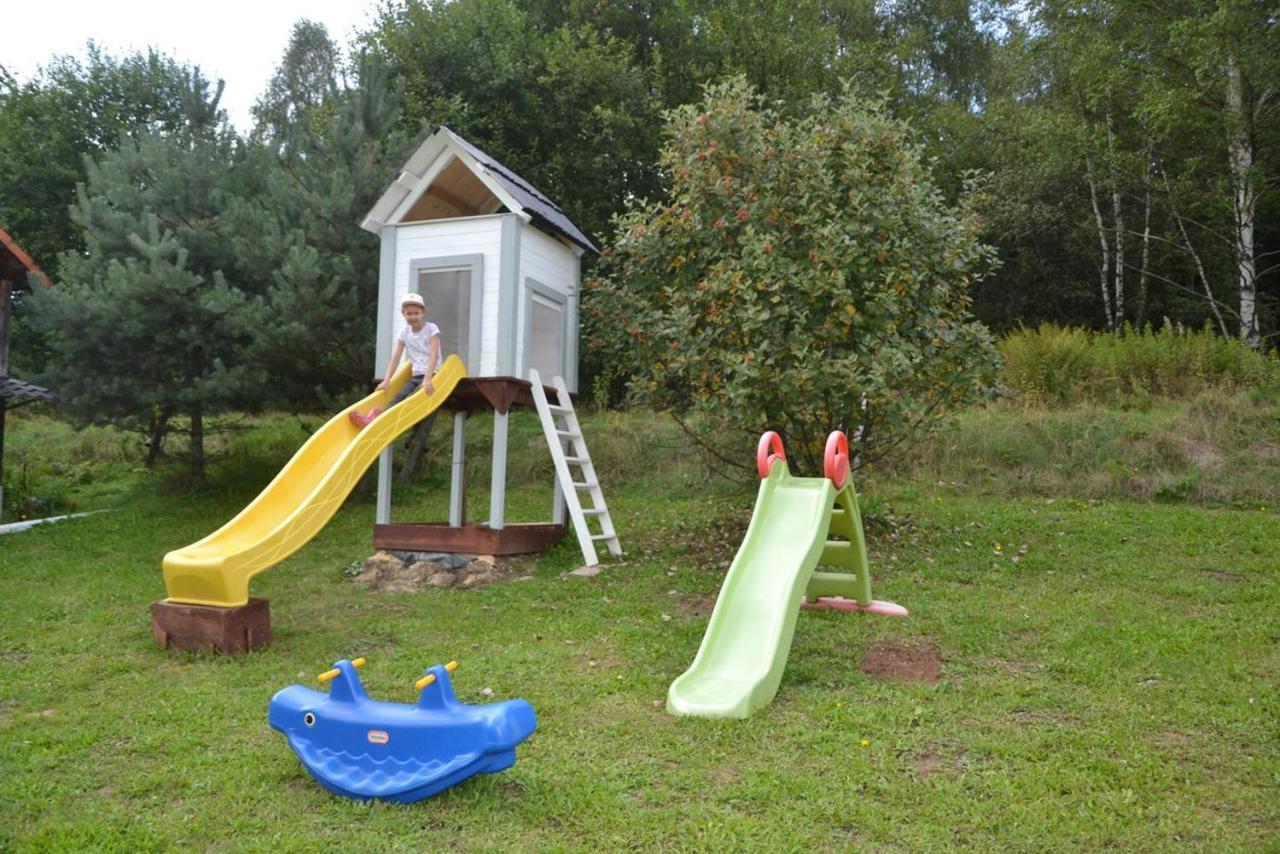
pixel 301 499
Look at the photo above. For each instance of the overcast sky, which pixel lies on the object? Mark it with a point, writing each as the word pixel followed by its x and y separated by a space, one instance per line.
pixel 239 41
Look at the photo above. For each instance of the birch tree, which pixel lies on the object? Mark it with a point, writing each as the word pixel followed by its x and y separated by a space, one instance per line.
pixel 1091 78
pixel 1219 65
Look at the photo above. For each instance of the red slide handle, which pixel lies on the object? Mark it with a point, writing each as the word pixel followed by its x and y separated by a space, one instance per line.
pixel 769 449
pixel 835 462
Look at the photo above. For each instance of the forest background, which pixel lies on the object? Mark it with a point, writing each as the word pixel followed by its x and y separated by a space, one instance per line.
pixel 1122 157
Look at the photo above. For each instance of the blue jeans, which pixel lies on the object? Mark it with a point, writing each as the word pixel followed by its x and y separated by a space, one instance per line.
pixel 414 384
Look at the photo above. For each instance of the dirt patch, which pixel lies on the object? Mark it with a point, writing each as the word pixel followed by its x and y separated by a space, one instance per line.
pixel 600 661
pixel 726 774
pixel 384 572
pixel 1140 485
pixel 511 789
pixel 1202 453
pixel 1223 575
pixel 935 759
pixel 927 762
pixel 898 662
pixel 1265 450
pixel 13 656
pixel 694 606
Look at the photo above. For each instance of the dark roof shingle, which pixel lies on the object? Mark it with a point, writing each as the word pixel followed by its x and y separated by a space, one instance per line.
pixel 14 389
pixel 529 197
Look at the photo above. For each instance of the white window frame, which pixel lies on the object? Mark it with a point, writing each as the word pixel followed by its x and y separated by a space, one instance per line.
pixel 531 287
pixel 474 264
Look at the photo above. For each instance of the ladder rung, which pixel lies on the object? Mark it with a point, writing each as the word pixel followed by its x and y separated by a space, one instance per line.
pixel 604 536
pixel 569 434
pixel 559 410
pixel 577 461
pixel 594 511
pixel 586 485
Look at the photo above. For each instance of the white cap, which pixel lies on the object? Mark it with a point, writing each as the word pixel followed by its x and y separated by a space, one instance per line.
pixel 412 299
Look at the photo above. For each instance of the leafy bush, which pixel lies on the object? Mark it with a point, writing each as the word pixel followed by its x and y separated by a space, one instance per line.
pixel 804 274
pixel 1053 364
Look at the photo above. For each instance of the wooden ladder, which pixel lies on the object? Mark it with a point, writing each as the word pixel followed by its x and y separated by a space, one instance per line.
pixel 571 434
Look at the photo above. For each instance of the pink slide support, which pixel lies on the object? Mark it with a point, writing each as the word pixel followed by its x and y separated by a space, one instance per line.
pixel 839 603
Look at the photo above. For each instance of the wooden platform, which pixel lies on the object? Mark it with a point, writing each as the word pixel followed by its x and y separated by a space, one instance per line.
pixel 497 393
pixel 203 628
pixel 470 539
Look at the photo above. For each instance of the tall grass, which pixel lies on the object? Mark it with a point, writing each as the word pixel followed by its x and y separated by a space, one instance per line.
pixel 50 467
pixel 1165 415
pixel 1054 365
pixel 1218 448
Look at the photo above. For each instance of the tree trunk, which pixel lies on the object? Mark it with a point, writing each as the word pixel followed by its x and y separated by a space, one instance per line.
pixel 197 444
pixel 156 432
pixel 1140 317
pixel 1240 151
pixel 1195 256
pixel 1102 239
pixel 1118 217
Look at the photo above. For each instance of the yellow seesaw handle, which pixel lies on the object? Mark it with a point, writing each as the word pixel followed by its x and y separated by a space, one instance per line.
pixel 431 677
pixel 330 674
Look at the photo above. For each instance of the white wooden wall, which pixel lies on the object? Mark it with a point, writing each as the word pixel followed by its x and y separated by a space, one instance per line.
pixel 477 235
pixel 541 258
pixel 551 263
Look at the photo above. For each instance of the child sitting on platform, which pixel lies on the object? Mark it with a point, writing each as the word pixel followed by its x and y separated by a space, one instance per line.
pixel 422 339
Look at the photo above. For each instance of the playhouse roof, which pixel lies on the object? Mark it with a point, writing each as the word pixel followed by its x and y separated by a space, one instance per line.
pixel 517 194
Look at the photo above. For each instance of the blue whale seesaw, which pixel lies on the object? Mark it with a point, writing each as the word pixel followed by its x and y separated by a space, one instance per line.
pixel 362 748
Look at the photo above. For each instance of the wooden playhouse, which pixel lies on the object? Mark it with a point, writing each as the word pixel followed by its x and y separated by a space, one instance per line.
pixel 498 264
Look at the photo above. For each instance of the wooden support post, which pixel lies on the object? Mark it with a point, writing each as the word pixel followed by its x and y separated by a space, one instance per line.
pixel 3 406
pixel 498 482
pixel 557 503
pixel 6 309
pixel 382 515
pixel 6 298
pixel 458 482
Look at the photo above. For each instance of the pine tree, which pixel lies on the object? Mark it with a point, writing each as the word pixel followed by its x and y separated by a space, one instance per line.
pixel 325 171
pixel 154 325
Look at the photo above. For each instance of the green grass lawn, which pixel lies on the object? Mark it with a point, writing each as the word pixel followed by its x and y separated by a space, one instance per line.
pixel 1115 685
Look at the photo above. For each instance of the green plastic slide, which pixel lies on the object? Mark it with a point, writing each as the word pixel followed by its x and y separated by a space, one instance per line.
pixel 740 662
pixel 798 524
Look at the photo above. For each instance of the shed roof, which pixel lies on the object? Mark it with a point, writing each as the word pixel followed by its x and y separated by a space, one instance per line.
pixel 516 193
pixel 16 263
pixel 17 390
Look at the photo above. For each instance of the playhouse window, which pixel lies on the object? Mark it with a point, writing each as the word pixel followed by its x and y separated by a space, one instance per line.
pixel 448 297
pixel 546 336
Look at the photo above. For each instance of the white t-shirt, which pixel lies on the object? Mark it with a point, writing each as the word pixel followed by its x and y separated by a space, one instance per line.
pixel 418 346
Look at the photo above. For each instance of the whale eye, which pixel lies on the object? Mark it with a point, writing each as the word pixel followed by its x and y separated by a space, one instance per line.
pixel 309 719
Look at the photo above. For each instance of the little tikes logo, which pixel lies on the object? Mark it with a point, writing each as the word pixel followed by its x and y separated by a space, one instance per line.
pixel 378 736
